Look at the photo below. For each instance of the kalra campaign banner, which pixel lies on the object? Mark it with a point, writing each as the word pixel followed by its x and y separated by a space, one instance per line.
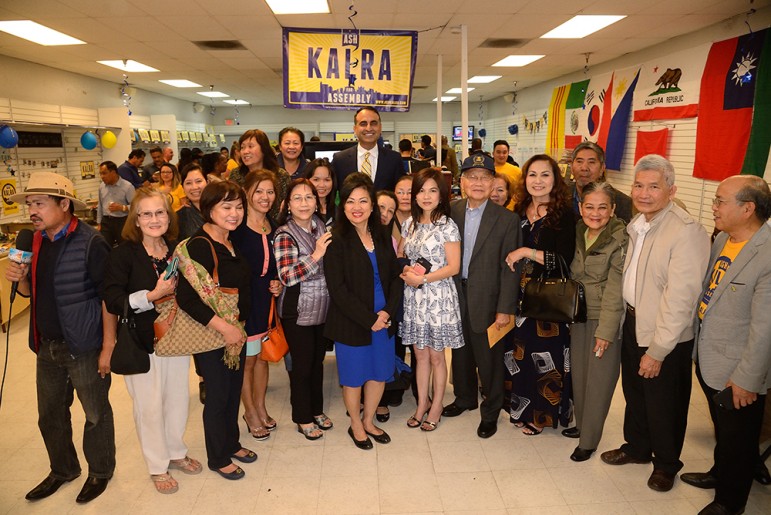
pixel 346 69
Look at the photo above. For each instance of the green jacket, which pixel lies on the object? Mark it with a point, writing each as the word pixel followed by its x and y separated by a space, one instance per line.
pixel 599 268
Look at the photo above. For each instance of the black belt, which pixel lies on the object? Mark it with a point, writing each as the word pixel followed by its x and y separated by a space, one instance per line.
pixel 630 310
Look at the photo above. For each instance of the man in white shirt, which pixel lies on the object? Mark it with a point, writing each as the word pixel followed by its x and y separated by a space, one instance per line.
pixel 665 263
pixel 383 166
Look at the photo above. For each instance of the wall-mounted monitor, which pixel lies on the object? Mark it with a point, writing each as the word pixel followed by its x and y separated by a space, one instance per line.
pixel 320 149
pixel 457 133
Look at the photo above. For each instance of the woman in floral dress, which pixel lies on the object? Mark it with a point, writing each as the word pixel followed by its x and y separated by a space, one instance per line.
pixel 431 310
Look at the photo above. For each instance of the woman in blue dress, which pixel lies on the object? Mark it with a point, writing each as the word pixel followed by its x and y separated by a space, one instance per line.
pixel 365 290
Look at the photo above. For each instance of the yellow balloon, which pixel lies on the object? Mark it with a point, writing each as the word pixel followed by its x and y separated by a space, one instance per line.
pixel 109 139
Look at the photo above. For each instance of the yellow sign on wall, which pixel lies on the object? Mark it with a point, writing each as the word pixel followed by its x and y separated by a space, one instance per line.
pixel 8 188
pixel 347 69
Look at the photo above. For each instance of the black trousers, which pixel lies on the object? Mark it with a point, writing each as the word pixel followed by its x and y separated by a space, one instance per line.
pixel 307 346
pixel 477 357
pixel 656 411
pixel 111 228
pixel 220 411
pixel 736 447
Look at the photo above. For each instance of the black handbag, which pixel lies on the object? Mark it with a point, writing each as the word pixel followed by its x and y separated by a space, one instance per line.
pixel 554 299
pixel 129 355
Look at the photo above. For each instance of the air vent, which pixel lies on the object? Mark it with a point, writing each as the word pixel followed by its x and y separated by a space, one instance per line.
pixel 226 44
pixel 503 43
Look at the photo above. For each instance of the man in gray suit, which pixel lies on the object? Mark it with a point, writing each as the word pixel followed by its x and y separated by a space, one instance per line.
pixel 487 290
pixel 733 350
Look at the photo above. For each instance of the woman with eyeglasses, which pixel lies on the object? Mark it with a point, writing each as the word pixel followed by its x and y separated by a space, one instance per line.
pixel 135 274
pixel 299 246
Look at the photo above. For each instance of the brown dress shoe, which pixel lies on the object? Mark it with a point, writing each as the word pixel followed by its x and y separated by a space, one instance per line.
pixel 661 481
pixel 619 457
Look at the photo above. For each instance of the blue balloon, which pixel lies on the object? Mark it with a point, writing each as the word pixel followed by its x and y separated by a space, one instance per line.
pixel 482 133
pixel 88 140
pixel 8 137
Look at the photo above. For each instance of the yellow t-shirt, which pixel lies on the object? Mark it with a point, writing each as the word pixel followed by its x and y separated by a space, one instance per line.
pixel 727 256
pixel 514 173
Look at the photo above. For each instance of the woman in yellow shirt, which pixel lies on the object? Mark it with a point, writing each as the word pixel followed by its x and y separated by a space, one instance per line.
pixel 171 185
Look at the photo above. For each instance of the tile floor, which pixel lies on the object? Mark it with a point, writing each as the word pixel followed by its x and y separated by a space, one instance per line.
pixel 448 471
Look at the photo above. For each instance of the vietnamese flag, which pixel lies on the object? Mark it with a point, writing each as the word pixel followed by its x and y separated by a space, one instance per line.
pixel 726 105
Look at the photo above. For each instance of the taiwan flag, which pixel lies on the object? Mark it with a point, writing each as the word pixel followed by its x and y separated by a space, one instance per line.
pixel 729 93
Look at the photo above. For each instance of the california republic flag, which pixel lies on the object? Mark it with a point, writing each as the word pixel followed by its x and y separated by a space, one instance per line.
pixel 669 86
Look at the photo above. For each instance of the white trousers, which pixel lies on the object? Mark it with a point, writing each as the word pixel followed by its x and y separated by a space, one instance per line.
pixel 161 398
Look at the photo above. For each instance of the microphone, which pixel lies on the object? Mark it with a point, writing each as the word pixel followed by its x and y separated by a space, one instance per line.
pixel 21 254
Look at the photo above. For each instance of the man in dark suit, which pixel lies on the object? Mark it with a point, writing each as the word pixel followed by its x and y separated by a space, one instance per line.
pixel 383 166
pixel 488 292
pixel 732 343
pixel 588 165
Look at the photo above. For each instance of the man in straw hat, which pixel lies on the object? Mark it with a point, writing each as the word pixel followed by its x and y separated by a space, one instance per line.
pixel 63 283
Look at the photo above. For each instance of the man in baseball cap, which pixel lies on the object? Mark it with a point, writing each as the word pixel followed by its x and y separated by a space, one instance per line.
pixel 487 291
pixel 65 332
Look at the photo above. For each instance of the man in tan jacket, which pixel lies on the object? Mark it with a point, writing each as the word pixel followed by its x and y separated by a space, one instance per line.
pixel 665 263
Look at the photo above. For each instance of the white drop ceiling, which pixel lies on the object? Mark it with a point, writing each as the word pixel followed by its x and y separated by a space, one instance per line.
pixel 159 33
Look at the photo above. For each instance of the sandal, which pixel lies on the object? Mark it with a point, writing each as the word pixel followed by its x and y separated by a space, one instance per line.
pixel 413 422
pixel 323 422
pixel 531 430
pixel 259 433
pixel 307 432
pixel 429 426
pixel 186 465
pixel 269 424
pixel 164 483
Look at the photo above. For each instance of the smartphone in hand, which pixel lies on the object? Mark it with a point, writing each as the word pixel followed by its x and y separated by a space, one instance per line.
pixel 171 270
pixel 421 267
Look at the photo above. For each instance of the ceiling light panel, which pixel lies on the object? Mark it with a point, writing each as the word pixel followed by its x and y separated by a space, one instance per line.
pixel 298 6
pixel 236 102
pixel 458 91
pixel 213 94
pixel 129 65
pixel 446 99
pixel 180 83
pixel 517 60
pixel 483 79
pixel 581 26
pixel 37 33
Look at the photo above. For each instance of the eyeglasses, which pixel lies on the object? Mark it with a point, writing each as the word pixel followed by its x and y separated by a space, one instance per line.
pixel 149 215
pixel 479 178
pixel 716 202
pixel 310 199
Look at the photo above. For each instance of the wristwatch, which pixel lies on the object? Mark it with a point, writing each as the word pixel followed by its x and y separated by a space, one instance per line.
pixel 425 280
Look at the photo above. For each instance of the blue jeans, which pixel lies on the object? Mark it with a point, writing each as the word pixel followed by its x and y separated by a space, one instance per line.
pixel 59 376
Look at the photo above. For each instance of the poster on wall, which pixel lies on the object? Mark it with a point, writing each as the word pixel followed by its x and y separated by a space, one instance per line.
pixel 87 169
pixel 338 69
pixel 8 188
